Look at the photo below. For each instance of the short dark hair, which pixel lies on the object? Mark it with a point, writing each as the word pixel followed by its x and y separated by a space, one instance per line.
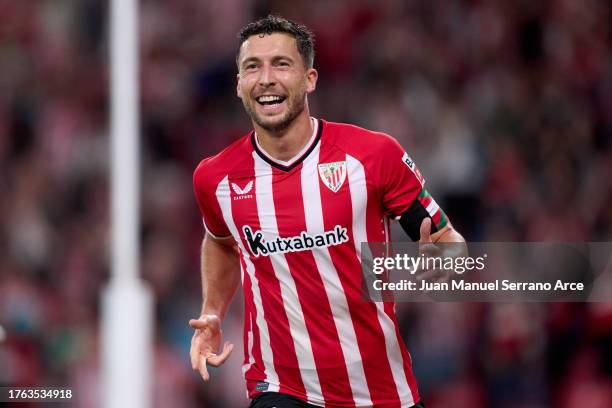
pixel 277 24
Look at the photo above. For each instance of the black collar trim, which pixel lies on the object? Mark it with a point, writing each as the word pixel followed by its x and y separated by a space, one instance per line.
pixel 297 162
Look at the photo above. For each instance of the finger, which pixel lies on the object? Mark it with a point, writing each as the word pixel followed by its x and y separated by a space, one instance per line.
pixel 206 321
pixel 202 368
pixel 216 360
pixel 425 231
pixel 444 277
pixel 429 249
pixel 429 275
pixel 194 352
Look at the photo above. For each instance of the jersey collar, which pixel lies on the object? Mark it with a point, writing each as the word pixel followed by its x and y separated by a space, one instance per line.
pixel 287 165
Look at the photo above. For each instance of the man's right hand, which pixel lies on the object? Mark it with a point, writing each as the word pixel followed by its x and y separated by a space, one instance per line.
pixel 205 344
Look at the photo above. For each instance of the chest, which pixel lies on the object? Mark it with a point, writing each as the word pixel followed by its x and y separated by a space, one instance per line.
pixel 313 197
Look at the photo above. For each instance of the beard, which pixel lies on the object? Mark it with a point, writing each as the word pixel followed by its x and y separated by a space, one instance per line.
pixel 295 106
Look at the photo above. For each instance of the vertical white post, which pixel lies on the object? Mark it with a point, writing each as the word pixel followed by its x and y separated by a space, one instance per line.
pixel 127 304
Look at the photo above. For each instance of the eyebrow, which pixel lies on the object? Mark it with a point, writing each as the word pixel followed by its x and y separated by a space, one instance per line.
pixel 248 60
pixel 274 59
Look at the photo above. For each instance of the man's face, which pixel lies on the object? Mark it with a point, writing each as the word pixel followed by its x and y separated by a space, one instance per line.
pixel 273 81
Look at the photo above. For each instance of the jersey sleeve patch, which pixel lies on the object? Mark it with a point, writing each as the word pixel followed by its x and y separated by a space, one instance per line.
pixel 415 170
pixel 401 179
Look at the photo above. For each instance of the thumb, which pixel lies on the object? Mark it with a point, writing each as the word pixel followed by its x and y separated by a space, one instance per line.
pixel 206 321
pixel 198 324
pixel 426 231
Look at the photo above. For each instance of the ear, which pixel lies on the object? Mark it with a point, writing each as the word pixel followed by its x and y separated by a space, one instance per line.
pixel 311 80
pixel 238 85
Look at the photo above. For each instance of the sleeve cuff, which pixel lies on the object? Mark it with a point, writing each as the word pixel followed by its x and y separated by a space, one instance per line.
pixel 215 236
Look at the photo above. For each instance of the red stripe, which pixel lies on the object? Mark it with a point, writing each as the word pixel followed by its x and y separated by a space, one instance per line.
pixel 436 218
pixel 364 316
pixel 425 201
pixel 255 373
pixel 281 343
pixel 291 221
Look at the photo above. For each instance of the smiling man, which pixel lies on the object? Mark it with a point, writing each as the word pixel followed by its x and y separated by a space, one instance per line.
pixel 286 209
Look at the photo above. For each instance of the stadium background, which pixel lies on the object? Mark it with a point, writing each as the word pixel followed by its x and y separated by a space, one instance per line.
pixel 505 106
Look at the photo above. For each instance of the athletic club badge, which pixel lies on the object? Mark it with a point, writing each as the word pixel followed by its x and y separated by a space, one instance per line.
pixel 333 174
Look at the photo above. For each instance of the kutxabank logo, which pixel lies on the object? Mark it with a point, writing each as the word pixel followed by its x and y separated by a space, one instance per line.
pixel 303 242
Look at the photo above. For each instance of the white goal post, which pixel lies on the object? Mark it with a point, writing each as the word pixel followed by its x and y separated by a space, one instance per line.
pixel 127 303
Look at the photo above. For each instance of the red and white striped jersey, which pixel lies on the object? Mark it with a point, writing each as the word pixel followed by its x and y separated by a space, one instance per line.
pixel 308 331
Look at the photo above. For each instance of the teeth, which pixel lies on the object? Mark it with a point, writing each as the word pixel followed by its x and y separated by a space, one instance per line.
pixel 269 98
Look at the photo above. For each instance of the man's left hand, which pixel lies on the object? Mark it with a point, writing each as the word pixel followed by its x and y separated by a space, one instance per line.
pixel 428 248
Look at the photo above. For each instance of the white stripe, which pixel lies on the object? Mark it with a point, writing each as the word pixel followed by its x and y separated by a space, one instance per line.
pixel 432 208
pixel 359 199
pixel 223 196
pixel 247 366
pixel 291 302
pixel 313 210
pixel 387 237
pixel 387 232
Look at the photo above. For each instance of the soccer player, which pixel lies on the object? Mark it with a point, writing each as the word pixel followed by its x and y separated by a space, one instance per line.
pixel 285 209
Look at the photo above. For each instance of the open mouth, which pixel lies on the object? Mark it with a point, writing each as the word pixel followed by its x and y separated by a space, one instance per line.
pixel 267 100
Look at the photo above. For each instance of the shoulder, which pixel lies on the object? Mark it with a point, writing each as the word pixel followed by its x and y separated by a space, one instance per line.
pixel 211 170
pixel 381 154
pixel 359 141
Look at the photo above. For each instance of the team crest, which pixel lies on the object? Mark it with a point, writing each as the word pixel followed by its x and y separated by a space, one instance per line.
pixel 333 174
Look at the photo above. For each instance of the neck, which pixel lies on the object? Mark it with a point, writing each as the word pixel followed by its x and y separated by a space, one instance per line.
pixel 286 144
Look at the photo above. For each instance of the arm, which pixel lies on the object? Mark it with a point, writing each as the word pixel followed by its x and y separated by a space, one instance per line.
pixel 220 279
pixel 220 274
pixel 405 199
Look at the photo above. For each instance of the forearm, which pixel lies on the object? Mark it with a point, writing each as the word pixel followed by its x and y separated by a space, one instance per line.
pixel 220 276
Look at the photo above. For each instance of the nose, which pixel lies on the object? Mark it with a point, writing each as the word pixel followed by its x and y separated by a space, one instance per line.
pixel 266 77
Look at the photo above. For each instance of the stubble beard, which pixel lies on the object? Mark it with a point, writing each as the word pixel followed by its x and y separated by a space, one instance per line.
pixel 295 108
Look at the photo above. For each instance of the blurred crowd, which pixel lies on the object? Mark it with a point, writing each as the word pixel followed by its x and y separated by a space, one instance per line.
pixel 505 106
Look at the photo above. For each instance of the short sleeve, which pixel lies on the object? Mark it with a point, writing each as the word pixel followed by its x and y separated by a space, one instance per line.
pixel 401 179
pixel 403 194
pixel 205 193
